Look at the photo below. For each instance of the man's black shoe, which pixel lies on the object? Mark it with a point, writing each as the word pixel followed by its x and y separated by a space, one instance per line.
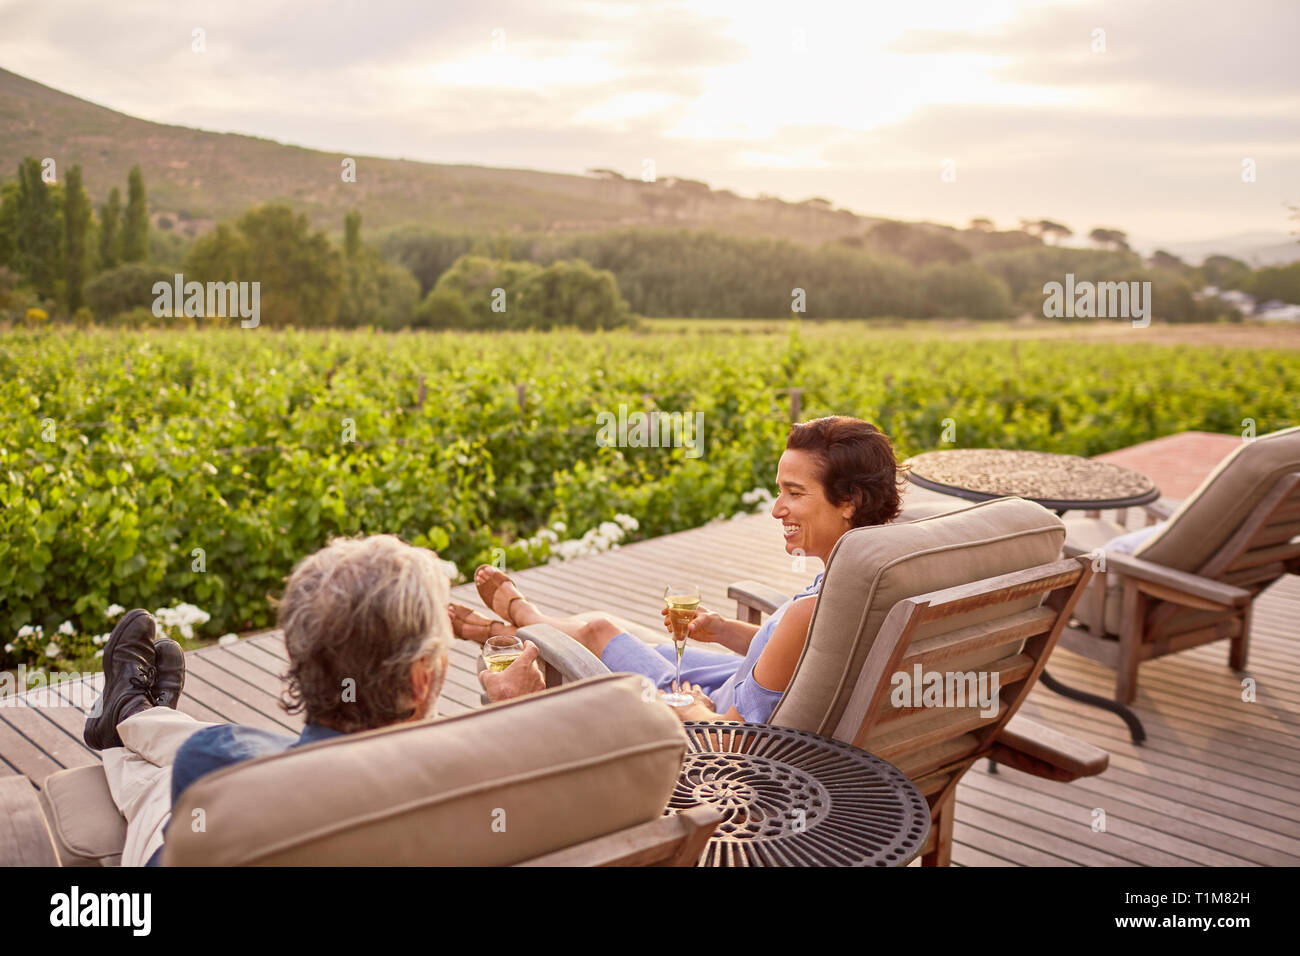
pixel 171 672
pixel 128 679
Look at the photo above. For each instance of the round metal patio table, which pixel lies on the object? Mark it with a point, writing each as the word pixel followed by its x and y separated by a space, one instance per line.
pixel 1059 482
pixel 793 798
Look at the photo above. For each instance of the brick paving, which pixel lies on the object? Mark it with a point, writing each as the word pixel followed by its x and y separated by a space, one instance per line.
pixel 1176 463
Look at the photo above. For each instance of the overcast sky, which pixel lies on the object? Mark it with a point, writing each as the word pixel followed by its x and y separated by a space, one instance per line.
pixel 858 101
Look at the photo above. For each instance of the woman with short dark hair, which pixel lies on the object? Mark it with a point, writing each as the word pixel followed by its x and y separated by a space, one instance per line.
pixel 836 473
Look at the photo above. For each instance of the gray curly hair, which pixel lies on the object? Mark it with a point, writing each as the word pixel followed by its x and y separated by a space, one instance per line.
pixel 367 610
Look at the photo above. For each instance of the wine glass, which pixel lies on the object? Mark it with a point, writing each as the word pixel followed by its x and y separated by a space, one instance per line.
pixel 683 601
pixel 499 652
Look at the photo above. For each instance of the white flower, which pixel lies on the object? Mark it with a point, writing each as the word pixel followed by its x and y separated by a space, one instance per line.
pixel 26 631
pixel 187 631
pixel 113 611
pixel 52 649
pixel 9 648
pixel 453 572
pixel 627 522
pixel 99 653
pixel 66 629
pixel 226 639
pixel 610 530
pixel 559 527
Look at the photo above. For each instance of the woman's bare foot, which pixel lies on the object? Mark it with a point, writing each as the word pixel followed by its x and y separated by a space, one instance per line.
pixel 500 594
pixel 470 625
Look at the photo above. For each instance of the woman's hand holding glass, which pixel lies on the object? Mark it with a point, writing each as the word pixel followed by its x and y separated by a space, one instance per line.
pixel 707 625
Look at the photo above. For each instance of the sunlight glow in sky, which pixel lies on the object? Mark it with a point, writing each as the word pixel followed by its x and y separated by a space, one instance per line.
pixel 857 102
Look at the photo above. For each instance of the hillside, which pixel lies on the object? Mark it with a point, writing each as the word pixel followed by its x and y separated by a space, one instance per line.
pixel 198 177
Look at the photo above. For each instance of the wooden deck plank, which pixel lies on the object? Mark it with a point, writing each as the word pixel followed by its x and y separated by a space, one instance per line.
pixel 254 700
pixel 1197 837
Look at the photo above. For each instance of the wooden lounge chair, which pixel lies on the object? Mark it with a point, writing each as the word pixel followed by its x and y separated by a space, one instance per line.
pixel 1194 581
pixel 980 589
pixel 508 784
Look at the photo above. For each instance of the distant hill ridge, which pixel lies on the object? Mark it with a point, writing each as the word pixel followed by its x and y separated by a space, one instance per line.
pixel 197 177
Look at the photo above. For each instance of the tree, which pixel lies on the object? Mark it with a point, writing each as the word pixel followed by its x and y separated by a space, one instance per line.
pixel 123 288
pixel 572 293
pixel 110 235
pixel 135 230
pixel 352 235
pixel 1047 227
pixel 9 204
pixel 1276 282
pixel 38 233
pixel 1110 239
pixel 981 224
pixel 76 229
pixel 1166 260
pixel 1225 272
pixel 917 244
pixel 298 270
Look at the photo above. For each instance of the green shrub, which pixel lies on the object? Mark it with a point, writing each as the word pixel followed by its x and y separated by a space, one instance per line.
pixel 442 309
pixel 123 288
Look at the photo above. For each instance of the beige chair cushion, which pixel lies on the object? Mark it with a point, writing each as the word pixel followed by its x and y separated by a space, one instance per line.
pixel 1090 534
pixel 871 569
pixel 1212 514
pixel 486 788
pixel 87 827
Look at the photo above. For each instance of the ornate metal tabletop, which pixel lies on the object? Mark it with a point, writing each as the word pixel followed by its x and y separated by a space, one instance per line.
pixel 794 798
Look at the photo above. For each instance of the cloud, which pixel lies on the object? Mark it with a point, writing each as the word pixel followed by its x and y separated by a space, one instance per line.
pixel 1151 131
pixel 1159 46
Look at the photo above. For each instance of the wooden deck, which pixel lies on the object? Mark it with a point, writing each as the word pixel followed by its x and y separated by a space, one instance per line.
pixel 1216 784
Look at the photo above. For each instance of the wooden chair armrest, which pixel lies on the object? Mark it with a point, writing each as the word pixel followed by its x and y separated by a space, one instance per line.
pixel 754 600
pixel 1069 550
pixel 1045 752
pixel 1161 509
pixel 564 656
pixel 1169 584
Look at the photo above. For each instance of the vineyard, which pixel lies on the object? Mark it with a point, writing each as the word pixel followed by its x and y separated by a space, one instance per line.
pixel 194 468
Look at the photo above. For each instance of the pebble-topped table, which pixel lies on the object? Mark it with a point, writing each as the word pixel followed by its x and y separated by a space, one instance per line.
pixel 1059 482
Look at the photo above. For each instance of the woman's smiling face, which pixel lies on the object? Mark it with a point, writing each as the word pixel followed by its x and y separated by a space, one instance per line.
pixel 810 521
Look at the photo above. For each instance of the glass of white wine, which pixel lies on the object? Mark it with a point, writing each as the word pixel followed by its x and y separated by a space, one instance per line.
pixel 683 601
pixel 499 652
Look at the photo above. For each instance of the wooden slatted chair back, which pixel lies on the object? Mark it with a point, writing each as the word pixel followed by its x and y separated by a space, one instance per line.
pixel 950 633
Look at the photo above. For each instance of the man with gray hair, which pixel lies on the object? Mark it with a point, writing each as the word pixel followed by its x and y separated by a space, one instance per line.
pixel 367 633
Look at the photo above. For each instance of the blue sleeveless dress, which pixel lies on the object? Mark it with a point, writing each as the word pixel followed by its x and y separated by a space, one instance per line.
pixel 728 680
